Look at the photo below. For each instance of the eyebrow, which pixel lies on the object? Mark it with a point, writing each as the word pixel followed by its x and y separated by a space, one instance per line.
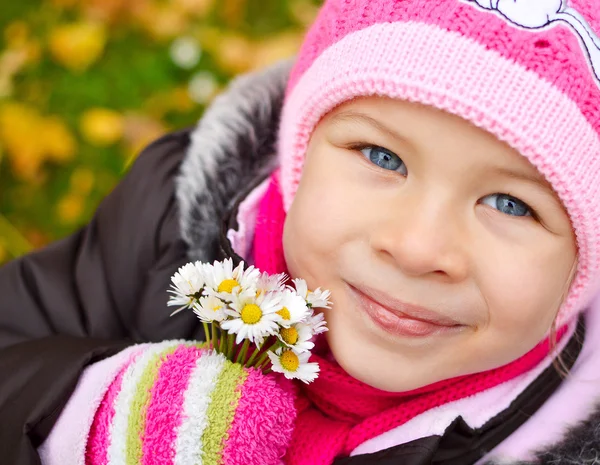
pixel 534 178
pixel 361 118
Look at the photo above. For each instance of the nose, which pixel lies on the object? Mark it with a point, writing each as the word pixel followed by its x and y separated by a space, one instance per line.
pixel 424 237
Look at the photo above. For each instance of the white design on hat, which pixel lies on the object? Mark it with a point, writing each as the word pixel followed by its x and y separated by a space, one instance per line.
pixel 538 14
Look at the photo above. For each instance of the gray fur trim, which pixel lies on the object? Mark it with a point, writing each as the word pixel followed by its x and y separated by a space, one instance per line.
pixel 580 446
pixel 233 143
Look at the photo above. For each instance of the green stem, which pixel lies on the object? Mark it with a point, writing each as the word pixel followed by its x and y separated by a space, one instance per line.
pixel 230 346
pixel 265 356
pixel 242 353
pixel 214 335
pixel 254 354
pixel 264 364
pixel 223 342
pixel 206 332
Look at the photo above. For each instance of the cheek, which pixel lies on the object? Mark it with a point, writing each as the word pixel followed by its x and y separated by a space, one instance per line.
pixel 524 291
pixel 309 235
pixel 323 218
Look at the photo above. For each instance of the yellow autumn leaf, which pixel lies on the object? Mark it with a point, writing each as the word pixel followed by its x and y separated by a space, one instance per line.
pixel 77 46
pixel 140 131
pixel 235 53
pixel 101 126
pixel 19 133
pixel 181 101
pixel 33 51
pixel 198 8
pixel 17 121
pixel 277 48
pixel 162 22
pixel 27 164
pixel 82 181
pixel 30 139
pixel 210 38
pixel 16 33
pixel 70 208
pixel 232 12
pixel 173 100
pixel 57 141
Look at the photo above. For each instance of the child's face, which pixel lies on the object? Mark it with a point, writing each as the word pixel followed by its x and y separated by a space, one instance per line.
pixel 404 209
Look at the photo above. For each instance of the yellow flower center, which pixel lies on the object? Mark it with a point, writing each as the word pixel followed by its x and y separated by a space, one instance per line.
pixel 289 335
pixel 251 314
pixel 228 285
pixel 289 360
pixel 284 313
pixel 217 307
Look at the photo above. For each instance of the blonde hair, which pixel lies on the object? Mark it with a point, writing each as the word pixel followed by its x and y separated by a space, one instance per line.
pixel 561 366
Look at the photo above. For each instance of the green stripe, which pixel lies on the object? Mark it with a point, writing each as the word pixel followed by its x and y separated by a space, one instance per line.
pixel 136 422
pixel 224 401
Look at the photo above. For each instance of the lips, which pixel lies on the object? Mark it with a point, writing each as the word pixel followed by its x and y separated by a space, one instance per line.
pixel 402 319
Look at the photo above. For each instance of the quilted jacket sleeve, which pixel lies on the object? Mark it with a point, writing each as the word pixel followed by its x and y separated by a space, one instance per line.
pixel 87 297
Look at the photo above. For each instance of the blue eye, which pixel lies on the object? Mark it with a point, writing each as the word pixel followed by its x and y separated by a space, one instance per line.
pixel 507 204
pixel 385 159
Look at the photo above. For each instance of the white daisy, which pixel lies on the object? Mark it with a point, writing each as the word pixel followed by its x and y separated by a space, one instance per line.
pixel 252 317
pixel 270 283
pixel 223 280
pixel 314 299
pixel 297 337
pixel 293 365
pixel 186 287
pixel 317 323
pixel 293 308
pixel 210 308
pixel 319 298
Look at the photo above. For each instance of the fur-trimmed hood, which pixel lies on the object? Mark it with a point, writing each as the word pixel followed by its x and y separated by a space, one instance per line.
pixel 233 146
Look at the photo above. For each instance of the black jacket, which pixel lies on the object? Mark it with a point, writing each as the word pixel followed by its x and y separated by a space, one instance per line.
pixel 94 293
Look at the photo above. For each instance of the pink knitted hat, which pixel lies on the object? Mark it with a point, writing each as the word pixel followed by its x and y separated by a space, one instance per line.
pixel 526 71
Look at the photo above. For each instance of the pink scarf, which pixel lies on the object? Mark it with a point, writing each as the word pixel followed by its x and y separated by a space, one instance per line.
pixel 337 413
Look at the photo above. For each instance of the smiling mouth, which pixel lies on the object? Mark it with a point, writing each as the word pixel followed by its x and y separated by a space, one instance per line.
pixel 402 319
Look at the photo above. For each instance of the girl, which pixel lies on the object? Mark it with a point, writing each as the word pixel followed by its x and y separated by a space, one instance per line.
pixel 436 168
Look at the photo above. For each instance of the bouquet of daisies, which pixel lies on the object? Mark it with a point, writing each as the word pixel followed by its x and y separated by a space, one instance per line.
pixel 253 318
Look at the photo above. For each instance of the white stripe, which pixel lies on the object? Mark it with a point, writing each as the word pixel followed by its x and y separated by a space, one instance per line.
pixel 131 378
pixel 203 379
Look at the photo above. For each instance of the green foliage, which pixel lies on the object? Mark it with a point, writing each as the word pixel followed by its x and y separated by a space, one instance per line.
pixel 85 85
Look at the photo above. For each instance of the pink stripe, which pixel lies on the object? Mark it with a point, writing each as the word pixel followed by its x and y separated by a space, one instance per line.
pixel 165 408
pixel 99 438
pixel 263 423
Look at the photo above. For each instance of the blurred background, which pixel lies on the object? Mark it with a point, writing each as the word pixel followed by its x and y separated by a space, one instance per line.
pixel 85 84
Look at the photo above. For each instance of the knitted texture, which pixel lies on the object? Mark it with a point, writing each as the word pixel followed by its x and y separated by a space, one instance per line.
pixel 527 72
pixel 175 403
pixel 336 412
pixel 268 244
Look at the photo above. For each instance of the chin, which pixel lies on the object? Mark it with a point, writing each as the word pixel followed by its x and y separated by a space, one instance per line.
pixel 361 366
pixel 383 383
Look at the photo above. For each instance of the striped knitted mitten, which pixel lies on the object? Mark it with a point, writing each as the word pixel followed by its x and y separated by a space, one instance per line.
pixel 175 403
